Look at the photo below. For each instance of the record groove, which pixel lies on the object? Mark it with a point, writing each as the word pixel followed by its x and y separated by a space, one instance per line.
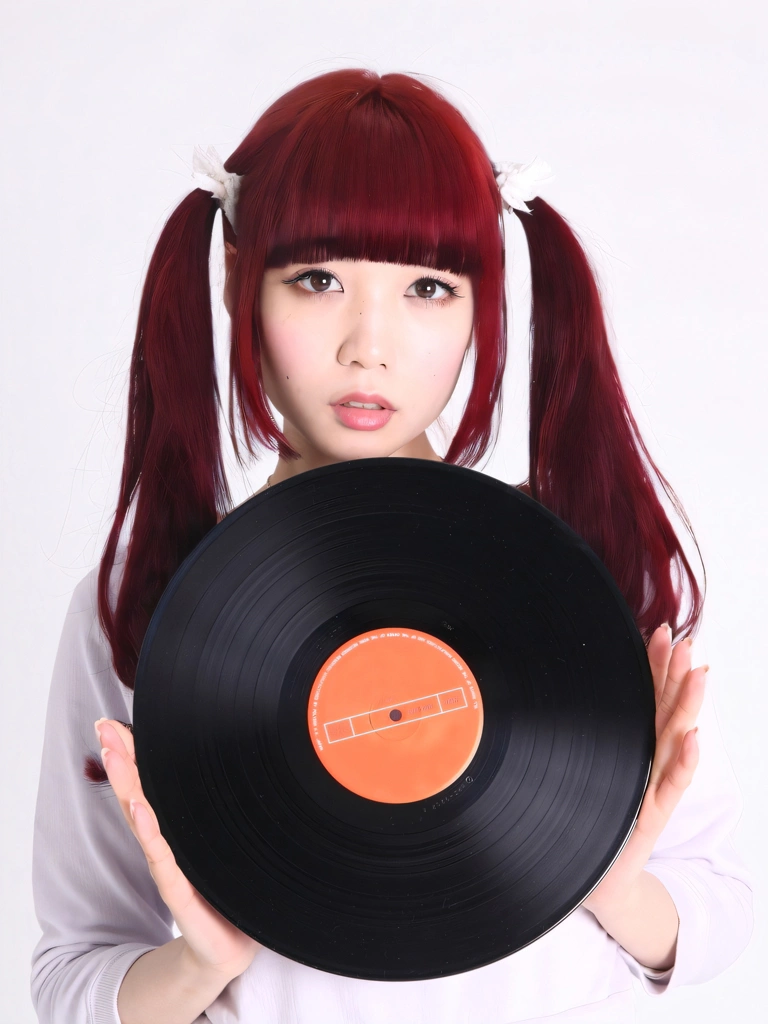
pixel 393 890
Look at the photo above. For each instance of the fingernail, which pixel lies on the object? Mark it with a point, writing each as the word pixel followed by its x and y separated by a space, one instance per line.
pixel 96 725
pixel 689 641
pixel 132 805
pixel 666 625
pixel 104 752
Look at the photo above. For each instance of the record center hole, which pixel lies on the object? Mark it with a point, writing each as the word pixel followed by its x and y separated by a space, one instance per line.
pixel 395 715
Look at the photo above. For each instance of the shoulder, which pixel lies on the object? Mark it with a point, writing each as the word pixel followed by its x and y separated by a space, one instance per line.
pixel 85 596
pixel 84 657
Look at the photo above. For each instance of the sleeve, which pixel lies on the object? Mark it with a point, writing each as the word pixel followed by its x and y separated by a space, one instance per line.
pixel 95 899
pixel 697 863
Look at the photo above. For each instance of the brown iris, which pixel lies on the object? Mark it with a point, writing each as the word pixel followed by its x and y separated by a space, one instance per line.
pixel 319 281
pixel 426 288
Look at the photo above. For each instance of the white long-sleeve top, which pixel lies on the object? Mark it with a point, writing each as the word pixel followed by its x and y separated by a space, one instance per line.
pixel 99 908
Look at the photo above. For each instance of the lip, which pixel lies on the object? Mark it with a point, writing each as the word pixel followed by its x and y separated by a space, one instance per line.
pixel 359 396
pixel 363 419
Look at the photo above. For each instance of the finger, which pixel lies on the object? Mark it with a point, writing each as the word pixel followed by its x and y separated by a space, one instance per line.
pixel 124 778
pixel 677 670
pixel 175 889
pixel 142 821
pixel 115 736
pixel 659 652
pixel 681 721
pixel 110 737
pixel 679 777
pixel 690 699
pixel 126 736
pixel 680 661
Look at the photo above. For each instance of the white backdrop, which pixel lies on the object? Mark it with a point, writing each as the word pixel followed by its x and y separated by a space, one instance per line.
pixel 653 118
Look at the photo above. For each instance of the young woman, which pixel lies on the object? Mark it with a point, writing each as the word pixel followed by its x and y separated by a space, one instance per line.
pixel 364 232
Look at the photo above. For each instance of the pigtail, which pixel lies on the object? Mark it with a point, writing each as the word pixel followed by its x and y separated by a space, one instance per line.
pixel 308 169
pixel 588 462
pixel 173 469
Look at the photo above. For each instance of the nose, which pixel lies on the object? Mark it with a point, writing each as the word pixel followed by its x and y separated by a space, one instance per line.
pixel 369 332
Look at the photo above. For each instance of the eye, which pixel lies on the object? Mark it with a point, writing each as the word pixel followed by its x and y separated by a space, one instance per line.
pixel 432 289
pixel 316 281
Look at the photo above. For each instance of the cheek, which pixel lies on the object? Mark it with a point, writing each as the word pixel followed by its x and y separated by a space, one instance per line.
pixel 437 353
pixel 291 351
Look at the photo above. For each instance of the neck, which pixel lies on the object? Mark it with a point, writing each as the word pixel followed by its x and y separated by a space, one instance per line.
pixel 418 448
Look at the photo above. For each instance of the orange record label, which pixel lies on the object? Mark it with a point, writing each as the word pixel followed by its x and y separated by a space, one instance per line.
pixel 395 715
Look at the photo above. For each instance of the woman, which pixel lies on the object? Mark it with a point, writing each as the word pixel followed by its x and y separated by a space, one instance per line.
pixel 363 224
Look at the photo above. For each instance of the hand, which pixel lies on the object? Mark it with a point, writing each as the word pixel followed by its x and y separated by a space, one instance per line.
pixel 214 944
pixel 679 693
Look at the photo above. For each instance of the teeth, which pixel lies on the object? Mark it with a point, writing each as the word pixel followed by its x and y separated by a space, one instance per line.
pixel 362 405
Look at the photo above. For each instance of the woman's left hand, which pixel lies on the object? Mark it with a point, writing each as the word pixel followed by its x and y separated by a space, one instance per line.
pixel 679 694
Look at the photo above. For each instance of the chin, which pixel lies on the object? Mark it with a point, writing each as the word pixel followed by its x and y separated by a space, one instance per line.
pixel 362 451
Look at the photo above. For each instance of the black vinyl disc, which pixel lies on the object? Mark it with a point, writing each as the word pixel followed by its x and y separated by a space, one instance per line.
pixel 395 719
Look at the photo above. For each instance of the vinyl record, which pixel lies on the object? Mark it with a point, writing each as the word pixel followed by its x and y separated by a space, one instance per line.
pixel 395 719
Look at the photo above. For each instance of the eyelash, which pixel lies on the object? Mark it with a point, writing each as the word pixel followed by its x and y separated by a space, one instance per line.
pixel 305 274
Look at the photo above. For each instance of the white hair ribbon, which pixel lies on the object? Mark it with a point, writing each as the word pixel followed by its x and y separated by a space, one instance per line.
pixel 208 170
pixel 519 183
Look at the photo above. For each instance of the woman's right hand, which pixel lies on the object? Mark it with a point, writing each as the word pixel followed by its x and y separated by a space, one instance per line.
pixel 214 943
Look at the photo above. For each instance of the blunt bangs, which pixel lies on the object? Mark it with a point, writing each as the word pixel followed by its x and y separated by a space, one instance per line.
pixel 367 182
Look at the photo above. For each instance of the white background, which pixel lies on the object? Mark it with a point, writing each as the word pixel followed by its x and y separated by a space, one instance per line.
pixel 653 118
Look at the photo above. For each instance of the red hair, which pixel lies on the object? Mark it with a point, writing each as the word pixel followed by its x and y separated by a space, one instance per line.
pixel 355 165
